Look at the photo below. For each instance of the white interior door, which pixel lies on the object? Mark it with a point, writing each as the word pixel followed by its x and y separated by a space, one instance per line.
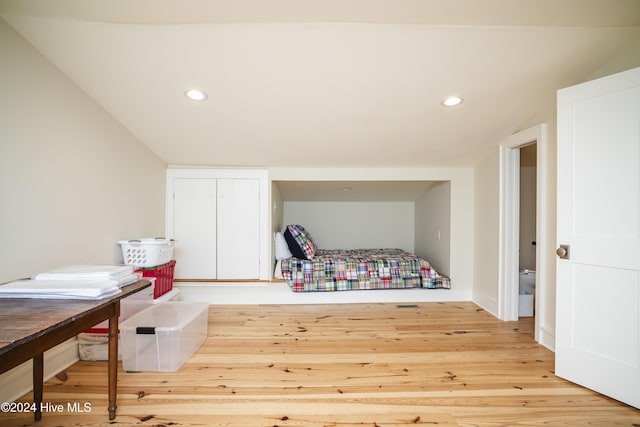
pixel 194 228
pixel 598 286
pixel 238 229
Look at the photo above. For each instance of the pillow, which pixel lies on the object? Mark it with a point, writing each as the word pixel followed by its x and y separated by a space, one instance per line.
pixel 277 273
pixel 300 242
pixel 282 249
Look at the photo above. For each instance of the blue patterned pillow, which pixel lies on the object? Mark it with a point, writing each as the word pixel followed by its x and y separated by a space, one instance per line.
pixel 300 242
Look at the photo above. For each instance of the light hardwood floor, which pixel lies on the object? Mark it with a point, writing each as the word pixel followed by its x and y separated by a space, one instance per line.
pixel 445 364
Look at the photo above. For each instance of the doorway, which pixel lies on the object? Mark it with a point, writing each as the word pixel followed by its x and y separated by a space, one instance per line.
pixel 527 218
pixel 509 242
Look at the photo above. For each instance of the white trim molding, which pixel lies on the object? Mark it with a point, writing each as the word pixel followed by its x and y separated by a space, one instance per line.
pixel 509 224
pixel 280 293
pixel 509 233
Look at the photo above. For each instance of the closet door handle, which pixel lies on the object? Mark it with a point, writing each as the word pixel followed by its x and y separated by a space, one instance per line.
pixel 563 251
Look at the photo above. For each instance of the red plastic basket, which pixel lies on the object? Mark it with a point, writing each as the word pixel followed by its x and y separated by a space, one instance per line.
pixel 164 277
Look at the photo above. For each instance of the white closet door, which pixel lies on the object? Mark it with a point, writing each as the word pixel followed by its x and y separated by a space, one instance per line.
pixel 194 225
pixel 238 229
pixel 598 275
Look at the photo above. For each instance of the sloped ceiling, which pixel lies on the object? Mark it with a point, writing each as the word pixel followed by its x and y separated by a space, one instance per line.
pixel 342 83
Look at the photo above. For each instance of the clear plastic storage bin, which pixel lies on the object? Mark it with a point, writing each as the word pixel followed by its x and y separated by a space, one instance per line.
pixel 93 343
pixel 164 336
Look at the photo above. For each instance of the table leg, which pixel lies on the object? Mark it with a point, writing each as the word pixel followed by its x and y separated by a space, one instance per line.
pixel 113 360
pixel 38 384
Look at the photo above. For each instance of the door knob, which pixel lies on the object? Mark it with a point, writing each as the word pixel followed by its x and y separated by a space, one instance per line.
pixel 563 252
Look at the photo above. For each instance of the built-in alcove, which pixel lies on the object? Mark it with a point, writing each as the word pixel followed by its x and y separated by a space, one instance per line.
pixel 411 215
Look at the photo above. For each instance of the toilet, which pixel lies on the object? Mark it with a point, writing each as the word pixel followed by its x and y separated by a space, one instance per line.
pixel 526 293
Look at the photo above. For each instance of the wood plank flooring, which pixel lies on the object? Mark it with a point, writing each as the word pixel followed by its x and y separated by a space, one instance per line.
pixel 444 364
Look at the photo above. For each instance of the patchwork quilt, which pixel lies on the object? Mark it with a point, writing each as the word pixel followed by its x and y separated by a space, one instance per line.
pixel 359 269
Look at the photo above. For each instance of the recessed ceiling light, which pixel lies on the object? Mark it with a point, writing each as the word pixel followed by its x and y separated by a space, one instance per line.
pixel 452 101
pixel 345 188
pixel 196 95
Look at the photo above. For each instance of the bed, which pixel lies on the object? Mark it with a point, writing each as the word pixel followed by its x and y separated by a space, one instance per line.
pixel 309 269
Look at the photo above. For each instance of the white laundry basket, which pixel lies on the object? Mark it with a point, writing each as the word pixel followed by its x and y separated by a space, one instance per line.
pixel 148 252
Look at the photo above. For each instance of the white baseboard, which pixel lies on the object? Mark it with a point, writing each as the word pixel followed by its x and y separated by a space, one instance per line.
pixel 280 293
pixel 490 305
pixel 547 338
pixel 18 381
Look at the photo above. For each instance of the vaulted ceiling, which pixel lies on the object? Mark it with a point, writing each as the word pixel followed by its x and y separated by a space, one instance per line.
pixel 332 83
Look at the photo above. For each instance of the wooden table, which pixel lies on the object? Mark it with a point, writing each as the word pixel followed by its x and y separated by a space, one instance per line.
pixel 29 327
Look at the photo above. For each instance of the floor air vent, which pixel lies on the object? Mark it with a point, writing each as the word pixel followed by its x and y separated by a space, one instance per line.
pixel 407 306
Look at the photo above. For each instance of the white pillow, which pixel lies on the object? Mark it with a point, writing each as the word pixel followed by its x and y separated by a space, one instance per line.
pixel 278 271
pixel 282 249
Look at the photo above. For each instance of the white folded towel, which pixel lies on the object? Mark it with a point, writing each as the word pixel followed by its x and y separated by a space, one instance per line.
pixel 129 279
pixel 81 272
pixel 60 289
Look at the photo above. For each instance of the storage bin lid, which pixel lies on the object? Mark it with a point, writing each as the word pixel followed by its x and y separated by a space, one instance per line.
pixel 166 316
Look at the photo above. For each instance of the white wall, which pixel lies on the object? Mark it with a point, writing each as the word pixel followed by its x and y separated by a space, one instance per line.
pixel 486 239
pixel 277 218
pixel 547 314
pixel 433 227
pixel 277 208
pixel 625 59
pixel 355 225
pixel 73 181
